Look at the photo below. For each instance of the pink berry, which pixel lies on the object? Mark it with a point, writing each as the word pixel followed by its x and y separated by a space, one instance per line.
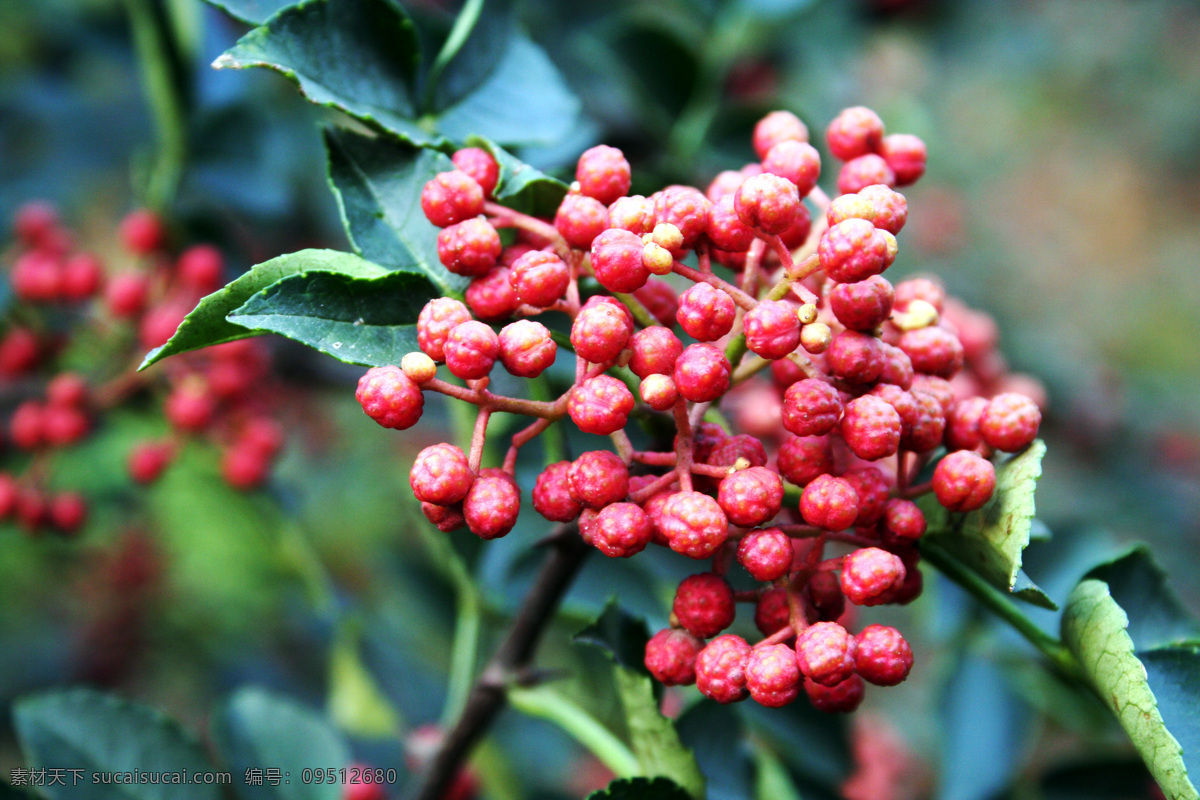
pixel 871 428
pixel 897 368
pixel 872 490
pixel 580 219
pixel 479 164
pixel 721 669
pixel 67 512
pixel 767 203
pixel 654 351
pixel 552 494
pixel 855 357
pixel 859 173
pixel 451 197
pixel 491 507
pixel 802 459
pixel 658 392
pixel 159 324
pixel 928 426
pixel 685 208
pixel 621 530
pixel 852 250
pixel 771 613
pixel 702 373
pixel 964 481
pixel 671 656
pixel 727 451
pixel 434 323
pixel 706 314
pixel 904 519
pixel 469 248
pixel 751 496
pixel 35 222
pixel 825 653
pixel 526 349
pixel 906 155
pixel 823 592
pixel 63 425
pixel 871 575
pixel 765 554
pixel 904 403
pixel 600 405
pixel 191 406
pixel 441 475
pixel 539 278
pixel 659 299
pixel 854 132
pixel 603 173
pixel 725 229
pixel 471 350
pixel 882 655
pixel 126 294
pixel 933 350
pixel 889 208
pixel 862 306
pixel 598 478
pixel 927 289
pixel 693 524
pixel 840 699
pixel 799 162
pixel 962 424
pixel 200 268
pixel 617 260
pixel 600 332
pixel 811 408
pixel 390 398
pixel 147 460
pixel 245 468
pixel 704 604
pixel 1010 422
pixel 491 297
pixel 776 127
pixel 772 675
pixel 634 214
pixel 772 329
pixel 142 232
pixel 829 503
pixel 67 389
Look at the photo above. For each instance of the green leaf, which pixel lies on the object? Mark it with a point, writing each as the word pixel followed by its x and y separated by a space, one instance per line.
pixel 254 12
pixel 640 789
pixel 378 186
pixel 621 635
pixel 368 321
pixel 815 744
pixel 86 730
pixel 992 539
pixel 655 741
pixel 207 324
pixel 521 187
pixel 772 781
pixel 715 733
pixel 257 730
pixel 356 703
pixel 1095 628
pixel 475 45
pixel 358 56
pixel 1139 587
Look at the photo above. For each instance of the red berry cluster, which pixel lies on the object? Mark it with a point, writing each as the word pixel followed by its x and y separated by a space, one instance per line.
pixel 777 316
pixel 68 299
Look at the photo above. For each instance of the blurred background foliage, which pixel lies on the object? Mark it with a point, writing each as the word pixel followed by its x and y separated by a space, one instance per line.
pixel 1062 196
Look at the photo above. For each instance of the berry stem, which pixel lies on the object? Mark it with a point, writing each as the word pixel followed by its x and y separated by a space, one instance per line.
pixel 793 274
pixel 475 459
pixel 778 637
pixel 495 402
pixel 916 490
pixel 683 445
pixel 507 218
pixel 620 440
pixel 660 483
pixel 801 531
pixel 741 298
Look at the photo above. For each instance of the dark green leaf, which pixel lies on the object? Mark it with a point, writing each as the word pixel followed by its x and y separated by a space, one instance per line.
pixel 378 186
pixel 477 42
pixel 85 730
pixel 256 729
pixel 1173 674
pixel 368 321
pixel 1139 587
pixel 621 635
pixel 640 789
pixel 815 744
pixel 358 56
pixel 992 539
pixel 1098 780
pixel 254 12
pixel 715 734
pixel 521 187
pixel 654 738
pixel 10 793
pixel 207 324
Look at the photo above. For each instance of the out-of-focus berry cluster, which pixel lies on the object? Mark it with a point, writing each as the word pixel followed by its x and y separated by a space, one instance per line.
pixel 69 305
pixel 806 390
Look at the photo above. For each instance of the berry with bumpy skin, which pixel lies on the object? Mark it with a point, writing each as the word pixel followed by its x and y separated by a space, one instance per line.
pixel 617 260
pixel 854 132
pixel 862 306
pixel 491 297
pixel 600 332
pixel 142 232
pixel 721 669
pixel 479 164
pixel 726 183
pixel 776 127
pixel 706 437
pixel 811 408
pixel 621 530
pixel 771 612
pixel 598 478
pixel 751 496
pixel 852 251
pixel 772 329
pixel 933 350
pixel 469 248
pixel 882 655
pixel 829 503
pixel 889 208
pixel 871 428
pixel 772 675
pixel 600 405
pixel 191 406
pixel 388 396
pixel 706 314
pixel 704 604
pixel 855 357
pixel 816 337
pixel 552 494
pixel 859 173
pixel 471 350
pixel 964 481
pixel 147 460
pixel 125 295
pixel 434 323
pixel 419 367
pixel 580 219
pixel 1010 422
pixel 802 458
pixel 870 576
pixel 660 300
pixel 904 403
pixel 928 289
pixel 929 424
pixel 539 278
pixel 654 351
pixel 906 155
pixel 840 699
pixel 797 233
pixel 765 554
pixel 67 512
pixel 526 349
pixel 451 197
pixel 685 208
pixel 658 392
pixel 491 507
pixel 702 373
pixel 671 656
pixel 799 162
pixel 897 368
pixel 730 449
pixel 872 490
pixel 940 388
pixel 825 599
pixel 904 519
pixel 825 653
pixel 962 424
pixel 603 173
pixel 693 524
pixel 441 475
pixel 767 203
pixel 725 229
pixel 634 214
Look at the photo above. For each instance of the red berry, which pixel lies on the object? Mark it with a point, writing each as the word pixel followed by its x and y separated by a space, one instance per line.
pixel 704 604
pixel 35 222
pixel 539 278
pixel 142 232
pixel 190 406
pixel 811 408
pixel 962 424
pixel 126 293
pixel 906 155
pixel 37 277
pixel 825 599
pixel 491 506
pixel 600 405
pixel 897 368
pixel 621 530
pixel 659 299
pixel 829 503
pixel 706 438
pixel 840 699
pixel 654 351
pixel 727 451
pixel 491 296
pixel 870 576
pixel 933 350
pixel 797 233
pixel 552 495
pixel 67 389
pixel 147 460
pixel 67 512
pixel 872 490
pixel 693 524
pixel 9 494
pixel 200 268
pixel 263 435
pixel 526 349
pixel 601 331
pixel 799 162
pixel 825 653
pixel 617 260
pixel 1010 422
pixel 939 388
pixel 862 306
pixel 856 357
pixel 245 468
pixel 765 554
pixel 479 164
pixel 451 197
pixel 603 173
pixel 854 132
pixel 445 518
pixel 32 509
pixel 802 458
pixel 751 497
pixel 929 424
pixel 685 208
pixel 721 669
pixel 871 428
pixel 725 229
pixel 889 209
pixel 671 656
pixel 964 481
pixel 27 427
pixel 658 392
pixel 471 350
pixel 776 127
pixel 390 398
pixel 927 289
pixel 859 173
pixel 905 519
pixel 767 203
pixel 634 214
pixel 160 323
pixel 19 352
pixel 771 613
pixel 852 250
pixel 63 425
pixel 772 329
pixel 598 478
pixel 441 475
pixel 434 323
pixel 580 219
pixel 772 675
pixel 882 656
pixel 705 313
pixel 904 403
pixel 469 248
pixel 702 373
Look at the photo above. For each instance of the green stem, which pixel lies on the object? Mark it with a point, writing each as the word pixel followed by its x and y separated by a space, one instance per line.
pixel 551 705
pixel 463 25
